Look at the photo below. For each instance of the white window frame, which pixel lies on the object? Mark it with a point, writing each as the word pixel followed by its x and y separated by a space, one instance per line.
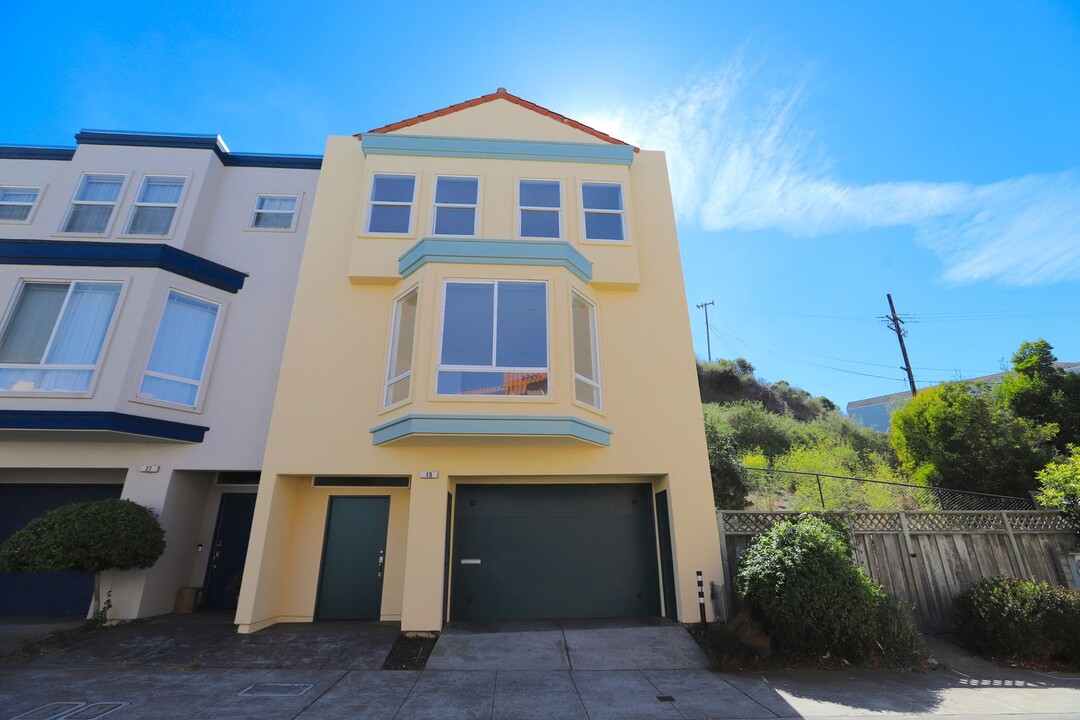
pixel 33 206
pixel 595 339
pixel 395 316
pixel 136 204
pixel 435 205
pixel 521 208
pixel 115 204
pixel 440 366
pixel 621 213
pixel 255 211
pixel 204 377
pixel 372 202
pixel 102 351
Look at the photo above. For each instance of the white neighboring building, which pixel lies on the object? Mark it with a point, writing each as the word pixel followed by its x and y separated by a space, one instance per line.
pixel 146 283
pixel 876 412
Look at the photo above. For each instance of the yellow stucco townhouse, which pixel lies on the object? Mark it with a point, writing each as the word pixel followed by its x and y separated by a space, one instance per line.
pixel 487 407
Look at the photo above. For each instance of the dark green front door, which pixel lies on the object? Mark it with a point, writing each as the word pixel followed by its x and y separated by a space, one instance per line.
pixel 354 555
pixel 554 551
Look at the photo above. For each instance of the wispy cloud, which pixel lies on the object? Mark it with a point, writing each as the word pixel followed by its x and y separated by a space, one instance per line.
pixel 740 158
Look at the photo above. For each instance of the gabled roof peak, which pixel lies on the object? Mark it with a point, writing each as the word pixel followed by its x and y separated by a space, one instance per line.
pixel 499 94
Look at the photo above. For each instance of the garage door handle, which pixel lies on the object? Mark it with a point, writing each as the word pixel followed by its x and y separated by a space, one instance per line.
pixel 470 561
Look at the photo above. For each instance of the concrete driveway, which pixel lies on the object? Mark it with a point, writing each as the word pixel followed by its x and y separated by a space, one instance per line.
pixel 632 644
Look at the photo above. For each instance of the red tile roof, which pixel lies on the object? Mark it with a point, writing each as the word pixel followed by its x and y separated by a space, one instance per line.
pixel 499 94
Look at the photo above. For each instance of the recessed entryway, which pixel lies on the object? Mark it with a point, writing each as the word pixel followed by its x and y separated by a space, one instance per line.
pixel 354 558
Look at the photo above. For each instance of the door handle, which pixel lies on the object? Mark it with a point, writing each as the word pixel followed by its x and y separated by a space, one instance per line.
pixel 382 561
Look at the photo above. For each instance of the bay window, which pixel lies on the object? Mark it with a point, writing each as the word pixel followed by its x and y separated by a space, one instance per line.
pixel 399 372
pixel 586 360
pixel 53 336
pixel 494 338
pixel 177 364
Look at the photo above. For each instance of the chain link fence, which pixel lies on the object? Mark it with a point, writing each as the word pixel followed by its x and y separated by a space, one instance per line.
pixel 774 490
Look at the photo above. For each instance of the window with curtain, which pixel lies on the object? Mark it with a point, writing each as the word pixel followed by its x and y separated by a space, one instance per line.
pixel 53 337
pixel 93 204
pixel 274 212
pixel 17 202
pixel 155 206
pixel 174 372
pixel 399 372
pixel 586 361
pixel 604 211
pixel 494 339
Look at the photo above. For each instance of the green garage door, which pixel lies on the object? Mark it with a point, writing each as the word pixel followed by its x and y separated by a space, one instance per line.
pixel 553 551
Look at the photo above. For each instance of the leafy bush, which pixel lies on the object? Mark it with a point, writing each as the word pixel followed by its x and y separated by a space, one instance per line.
pixel 1059 485
pixel 86 537
pixel 800 581
pixel 729 477
pixel 1010 617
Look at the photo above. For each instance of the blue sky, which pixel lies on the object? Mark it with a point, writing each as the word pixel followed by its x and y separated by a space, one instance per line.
pixel 822 154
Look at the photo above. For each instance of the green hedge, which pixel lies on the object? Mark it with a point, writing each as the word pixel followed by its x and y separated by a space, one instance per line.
pixel 1009 617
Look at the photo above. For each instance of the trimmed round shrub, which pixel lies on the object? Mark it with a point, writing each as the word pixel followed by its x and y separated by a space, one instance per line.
pixel 1009 617
pixel 800 581
pixel 86 537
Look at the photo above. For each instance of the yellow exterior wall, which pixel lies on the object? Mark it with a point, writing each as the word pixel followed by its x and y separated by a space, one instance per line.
pixel 334 369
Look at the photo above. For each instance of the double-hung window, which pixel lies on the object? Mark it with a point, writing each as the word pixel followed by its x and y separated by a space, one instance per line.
pixel 177 364
pixel 586 359
pixel 53 336
pixel 93 204
pixel 494 338
pixel 156 205
pixel 399 371
pixel 605 216
pixel 391 205
pixel 17 202
pixel 455 206
pixel 274 212
pixel 539 208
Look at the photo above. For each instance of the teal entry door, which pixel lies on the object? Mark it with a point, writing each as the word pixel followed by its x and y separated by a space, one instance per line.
pixel 354 559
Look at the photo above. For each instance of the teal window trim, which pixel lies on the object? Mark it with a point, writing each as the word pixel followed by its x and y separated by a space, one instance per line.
pixel 504 425
pixel 495 149
pixel 464 251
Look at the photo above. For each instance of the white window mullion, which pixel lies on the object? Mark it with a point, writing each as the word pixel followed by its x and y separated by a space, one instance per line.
pixel 495 326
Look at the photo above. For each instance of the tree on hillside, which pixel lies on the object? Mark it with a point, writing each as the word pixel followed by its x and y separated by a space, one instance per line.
pixel 960 435
pixel 1043 393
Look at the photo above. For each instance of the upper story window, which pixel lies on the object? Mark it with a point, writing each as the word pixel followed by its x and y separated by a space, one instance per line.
pixel 605 216
pixel 392 198
pixel 539 208
pixel 156 205
pixel 177 364
pixel 53 335
pixel 494 338
pixel 399 371
pixel 93 205
pixel 455 205
pixel 17 202
pixel 586 358
pixel 274 212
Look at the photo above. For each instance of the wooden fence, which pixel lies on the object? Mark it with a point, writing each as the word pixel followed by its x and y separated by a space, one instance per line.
pixel 927 558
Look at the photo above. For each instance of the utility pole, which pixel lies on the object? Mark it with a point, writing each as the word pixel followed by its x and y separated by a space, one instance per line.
pixel 894 322
pixel 708 339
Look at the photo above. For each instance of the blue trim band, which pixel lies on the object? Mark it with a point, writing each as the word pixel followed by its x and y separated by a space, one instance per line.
pixel 100 421
pixel 511 425
pixel 198 142
pixel 89 253
pixel 489 148
pixel 469 251
pixel 34 152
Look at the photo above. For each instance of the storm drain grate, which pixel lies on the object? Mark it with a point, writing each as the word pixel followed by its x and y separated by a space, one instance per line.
pixel 71 711
pixel 276 690
pixel 665 698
